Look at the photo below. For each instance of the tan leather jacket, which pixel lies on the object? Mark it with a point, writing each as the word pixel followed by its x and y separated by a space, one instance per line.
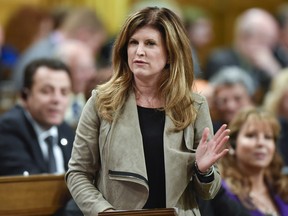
pixel 107 167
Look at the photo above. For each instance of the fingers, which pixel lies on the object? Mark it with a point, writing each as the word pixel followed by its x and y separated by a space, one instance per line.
pixel 209 152
pixel 221 138
pixel 220 131
pixel 222 154
pixel 221 134
pixel 221 145
pixel 205 135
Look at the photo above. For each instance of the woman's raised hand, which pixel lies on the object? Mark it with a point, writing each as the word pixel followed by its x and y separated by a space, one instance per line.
pixel 209 151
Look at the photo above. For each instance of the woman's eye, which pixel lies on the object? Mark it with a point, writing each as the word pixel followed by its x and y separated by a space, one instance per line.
pixel 269 137
pixel 132 42
pixel 250 135
pixel 150 43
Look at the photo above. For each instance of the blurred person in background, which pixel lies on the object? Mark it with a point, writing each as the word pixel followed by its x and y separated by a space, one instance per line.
pixel 35 138
pixel 8 57
pixel 23 129
pixel 281 49
pixel 103 68
pixel 80 59
pixel 26 26
pixel 1 44
pixel 255 36
pixel 58 14
pixel 81 24
pixel 205 88
pixel 276 101
pixel 200 32
pixel 252 171
pixel 233 89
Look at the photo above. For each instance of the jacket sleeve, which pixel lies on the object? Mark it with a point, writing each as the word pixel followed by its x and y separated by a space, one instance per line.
pixel 205 190
pixel 84 163
pixel 19 145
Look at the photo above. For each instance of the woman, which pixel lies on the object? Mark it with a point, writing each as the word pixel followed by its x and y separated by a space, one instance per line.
pixel 144 140
pixel 252 170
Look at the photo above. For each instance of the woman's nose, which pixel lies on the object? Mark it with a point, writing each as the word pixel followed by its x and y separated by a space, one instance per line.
pixel 261 139
pixel 140 50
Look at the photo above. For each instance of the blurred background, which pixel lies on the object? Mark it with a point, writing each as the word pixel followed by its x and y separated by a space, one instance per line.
pixel 210 25
pixel 222 12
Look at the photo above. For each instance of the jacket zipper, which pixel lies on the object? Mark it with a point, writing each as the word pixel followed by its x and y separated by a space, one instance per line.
pixel 128 175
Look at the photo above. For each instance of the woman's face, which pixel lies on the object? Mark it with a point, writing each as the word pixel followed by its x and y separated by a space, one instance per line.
pixel 255 145
pixel 147 55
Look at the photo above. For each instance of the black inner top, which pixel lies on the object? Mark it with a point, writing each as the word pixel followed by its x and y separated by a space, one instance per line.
pixel 152 126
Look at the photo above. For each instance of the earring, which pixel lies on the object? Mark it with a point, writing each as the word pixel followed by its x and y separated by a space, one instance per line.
pixel 231 151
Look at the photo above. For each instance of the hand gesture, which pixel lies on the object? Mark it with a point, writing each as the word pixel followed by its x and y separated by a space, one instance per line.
pixel 208 152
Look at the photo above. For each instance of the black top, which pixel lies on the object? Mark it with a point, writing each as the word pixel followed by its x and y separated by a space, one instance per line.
pixel 152 127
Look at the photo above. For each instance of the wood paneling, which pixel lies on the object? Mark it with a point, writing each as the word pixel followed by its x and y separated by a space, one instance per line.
pixel 32 195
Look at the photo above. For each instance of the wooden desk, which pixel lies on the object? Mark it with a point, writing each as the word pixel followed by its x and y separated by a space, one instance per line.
pixel 144 212
pixel 32 195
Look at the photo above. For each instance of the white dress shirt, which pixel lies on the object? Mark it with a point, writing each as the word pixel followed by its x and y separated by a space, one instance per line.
pixel 42 135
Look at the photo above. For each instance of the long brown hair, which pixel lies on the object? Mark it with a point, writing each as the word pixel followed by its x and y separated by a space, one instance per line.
pixel 231 172
pixel 177 77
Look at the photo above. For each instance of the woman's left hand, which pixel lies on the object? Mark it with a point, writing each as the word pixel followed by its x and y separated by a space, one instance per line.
pixel 208 152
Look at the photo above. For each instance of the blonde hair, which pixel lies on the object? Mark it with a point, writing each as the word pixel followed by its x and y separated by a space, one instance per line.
pixel 177 78
pixel 236 177
pixel 273 98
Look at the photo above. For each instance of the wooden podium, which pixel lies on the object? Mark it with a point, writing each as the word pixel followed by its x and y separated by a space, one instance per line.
pixel 144 212
pixel 32 195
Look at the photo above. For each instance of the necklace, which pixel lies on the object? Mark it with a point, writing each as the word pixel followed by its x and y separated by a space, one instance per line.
pixel 145 101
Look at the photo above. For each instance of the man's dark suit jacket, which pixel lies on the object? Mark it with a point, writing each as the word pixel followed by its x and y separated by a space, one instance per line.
pixel 19 147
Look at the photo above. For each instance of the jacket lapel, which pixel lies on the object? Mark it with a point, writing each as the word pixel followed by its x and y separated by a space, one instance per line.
pixel 126 153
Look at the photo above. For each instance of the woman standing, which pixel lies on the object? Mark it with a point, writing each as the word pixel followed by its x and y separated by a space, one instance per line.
pixel 144 140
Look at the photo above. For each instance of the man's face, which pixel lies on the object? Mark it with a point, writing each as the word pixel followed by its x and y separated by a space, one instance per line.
pixel 229 99
pixel 48 98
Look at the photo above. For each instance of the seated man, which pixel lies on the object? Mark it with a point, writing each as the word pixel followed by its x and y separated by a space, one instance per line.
pixel 233 89
pixel 25 129
pixel 255 35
